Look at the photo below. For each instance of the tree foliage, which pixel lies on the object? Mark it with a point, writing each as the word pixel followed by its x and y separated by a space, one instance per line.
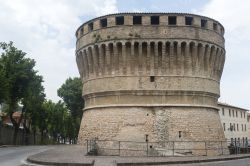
pixel 21 86
pixel 19 76
pixel 58 122
pixel 32 102
pixel 3 85
pixel 71 93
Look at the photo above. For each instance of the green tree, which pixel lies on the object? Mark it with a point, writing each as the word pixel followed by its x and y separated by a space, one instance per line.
pixel 71 93
pixel 56 115
pixel 18 72
pixel 3 85
pixel 43 122
pixel 32 102
pixel 56 120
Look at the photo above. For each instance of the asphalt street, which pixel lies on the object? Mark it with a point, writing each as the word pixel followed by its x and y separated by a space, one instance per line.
pixel 16 156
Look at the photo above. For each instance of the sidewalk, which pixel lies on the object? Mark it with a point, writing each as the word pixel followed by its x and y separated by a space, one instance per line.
pixel 74 155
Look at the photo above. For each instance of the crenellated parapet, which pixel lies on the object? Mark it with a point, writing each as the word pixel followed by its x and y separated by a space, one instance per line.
pixel 149 19
pixel 169 26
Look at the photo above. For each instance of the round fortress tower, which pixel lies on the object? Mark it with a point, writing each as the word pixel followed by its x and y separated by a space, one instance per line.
pixel 154 74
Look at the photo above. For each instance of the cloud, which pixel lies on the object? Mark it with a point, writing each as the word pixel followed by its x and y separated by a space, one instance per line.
pixel 234 15
pixel 45 31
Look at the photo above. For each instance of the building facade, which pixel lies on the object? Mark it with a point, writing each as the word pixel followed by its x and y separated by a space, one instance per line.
pixel 235 123
pixel 153 76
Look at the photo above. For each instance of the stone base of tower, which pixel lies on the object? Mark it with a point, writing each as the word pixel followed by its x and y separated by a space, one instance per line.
pixel 182 126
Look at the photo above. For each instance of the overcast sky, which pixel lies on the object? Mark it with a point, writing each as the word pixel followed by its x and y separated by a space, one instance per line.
pixel 45 31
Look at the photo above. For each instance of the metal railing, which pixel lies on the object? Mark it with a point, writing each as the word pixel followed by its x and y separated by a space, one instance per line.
pixel 168 148
pixel 92 147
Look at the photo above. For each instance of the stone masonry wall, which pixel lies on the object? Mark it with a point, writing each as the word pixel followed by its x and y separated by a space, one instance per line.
pixel 159 123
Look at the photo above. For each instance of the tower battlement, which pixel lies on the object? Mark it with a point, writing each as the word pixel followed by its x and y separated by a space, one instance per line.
pixel 147 19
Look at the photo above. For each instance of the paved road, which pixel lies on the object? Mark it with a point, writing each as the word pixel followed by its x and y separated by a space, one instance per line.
pixel 15 156
pixel 240 162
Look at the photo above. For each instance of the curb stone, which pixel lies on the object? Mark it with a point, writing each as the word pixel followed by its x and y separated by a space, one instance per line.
pixel 98 162
pixel 58 164
pixel 183 161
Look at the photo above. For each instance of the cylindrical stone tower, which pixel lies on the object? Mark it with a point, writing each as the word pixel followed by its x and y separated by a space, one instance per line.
pixel 154 74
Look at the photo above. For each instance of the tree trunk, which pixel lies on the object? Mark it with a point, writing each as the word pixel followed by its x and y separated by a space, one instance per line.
pixel 16 124
pixel 55 137
pixel 75 140
pixel 26 131
pixel 16 127
pixel 15 135
pixel 42 135
pixel 34 136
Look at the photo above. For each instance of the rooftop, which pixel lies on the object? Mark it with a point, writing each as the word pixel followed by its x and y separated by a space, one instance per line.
pixel 228 105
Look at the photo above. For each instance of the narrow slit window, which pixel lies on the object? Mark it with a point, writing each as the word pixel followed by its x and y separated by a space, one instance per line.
pixel 189 20
pixel 172 20
pixel 119 20
pixel 137 20
pixel 152 78
pixel 103 22
pixel 81 31
pixel 155 20
pixel 203 23
pixel 90 26
pixel 179 134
